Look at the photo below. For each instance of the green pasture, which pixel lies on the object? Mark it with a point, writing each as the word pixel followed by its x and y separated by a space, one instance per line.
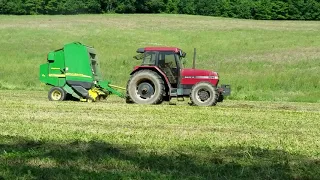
pixel 262 60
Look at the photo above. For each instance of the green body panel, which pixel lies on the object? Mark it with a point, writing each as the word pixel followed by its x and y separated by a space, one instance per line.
pixel 45 77
pixel 61 82
pixel 74 63
pixel 56 66
pixel 105 85
pixel 69 90
pixel 51 56
pixel 78 64
pixel 43 74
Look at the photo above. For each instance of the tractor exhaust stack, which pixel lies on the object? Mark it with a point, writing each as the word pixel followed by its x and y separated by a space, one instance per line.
pixel 194 59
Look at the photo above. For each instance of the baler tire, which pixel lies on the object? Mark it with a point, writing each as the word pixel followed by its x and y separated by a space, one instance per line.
pixel 103 97
pixel 150 78
pixel 210 89
pixel 57 94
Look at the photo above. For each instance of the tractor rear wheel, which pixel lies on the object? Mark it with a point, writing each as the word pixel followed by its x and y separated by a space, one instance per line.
pixel 57 94
pixel 145 87
pixel 128 99
pixel 204 94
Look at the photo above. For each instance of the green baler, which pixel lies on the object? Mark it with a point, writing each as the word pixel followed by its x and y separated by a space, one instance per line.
pixel 74 71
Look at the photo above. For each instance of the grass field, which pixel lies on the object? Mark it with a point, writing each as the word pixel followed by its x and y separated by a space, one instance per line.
pixel 113 140
pixel 262 60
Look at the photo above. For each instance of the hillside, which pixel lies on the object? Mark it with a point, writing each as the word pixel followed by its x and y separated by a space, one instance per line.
pixel 262 60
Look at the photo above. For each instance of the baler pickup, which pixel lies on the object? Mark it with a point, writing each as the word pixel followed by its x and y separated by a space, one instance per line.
pixel 74 71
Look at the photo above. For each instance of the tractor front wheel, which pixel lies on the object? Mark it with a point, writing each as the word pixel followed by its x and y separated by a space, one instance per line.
pixel 57 94
pixel 145 87
pixel 204 94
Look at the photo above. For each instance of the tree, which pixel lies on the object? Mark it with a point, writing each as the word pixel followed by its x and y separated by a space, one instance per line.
pixel 92 6
pixel 311 10
pixel 225 8
pixel 13 7
pixel 262 9
pixel 156 6
pixel 247 9
pixel 108 5
pixel 186 7
pixel 242 9
pixel 52 7
pixel 34 6
pixel 172 6
pixel 126 6
pixel 294 7
pixel 279 10
pixel 207 7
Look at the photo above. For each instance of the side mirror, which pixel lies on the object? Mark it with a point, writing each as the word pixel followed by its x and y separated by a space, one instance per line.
pixel 182 54
pixel 138 57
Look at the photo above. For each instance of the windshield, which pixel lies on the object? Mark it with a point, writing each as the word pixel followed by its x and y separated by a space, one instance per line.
pixel 149 58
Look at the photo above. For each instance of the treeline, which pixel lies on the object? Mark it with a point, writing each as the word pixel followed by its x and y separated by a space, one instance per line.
pixel 247 9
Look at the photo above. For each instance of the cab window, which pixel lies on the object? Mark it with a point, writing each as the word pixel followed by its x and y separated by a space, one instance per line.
pixel 149 58
pixel 167 59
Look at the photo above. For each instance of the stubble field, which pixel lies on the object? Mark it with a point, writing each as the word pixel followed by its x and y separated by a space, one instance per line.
pixel 110 139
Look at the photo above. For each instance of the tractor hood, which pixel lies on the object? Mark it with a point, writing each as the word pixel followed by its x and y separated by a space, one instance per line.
pixel 194 73
pixel 193 76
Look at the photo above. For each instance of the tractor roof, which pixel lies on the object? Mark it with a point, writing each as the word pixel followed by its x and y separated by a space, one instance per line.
pixel 170 49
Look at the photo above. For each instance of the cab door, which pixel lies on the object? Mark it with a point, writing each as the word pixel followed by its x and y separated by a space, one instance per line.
pixel 168 64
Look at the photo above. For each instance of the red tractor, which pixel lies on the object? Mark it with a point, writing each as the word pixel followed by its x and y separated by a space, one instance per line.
pixel 161 76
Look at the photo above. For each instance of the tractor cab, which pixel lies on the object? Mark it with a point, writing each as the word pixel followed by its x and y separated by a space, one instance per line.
pixel 167 59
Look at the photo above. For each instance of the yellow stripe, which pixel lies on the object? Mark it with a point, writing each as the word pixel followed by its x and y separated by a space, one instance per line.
pixel 78 75
pixel 57 75
pixel 69 74
pixel 55 68
pixel 117 87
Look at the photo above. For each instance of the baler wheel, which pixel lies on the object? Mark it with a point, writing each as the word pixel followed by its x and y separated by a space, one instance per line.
pixel 102 97
pixel 90 100
pixel 204 94
pixel 57 94
pixel 145 87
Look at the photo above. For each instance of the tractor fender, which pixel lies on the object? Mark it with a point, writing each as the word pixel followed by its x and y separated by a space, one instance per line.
pixel 157 70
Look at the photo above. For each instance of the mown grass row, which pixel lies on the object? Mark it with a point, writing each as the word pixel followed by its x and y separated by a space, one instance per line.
pixel 234 140
pixel 262 60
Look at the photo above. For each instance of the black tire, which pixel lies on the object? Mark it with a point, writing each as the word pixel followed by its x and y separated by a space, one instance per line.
pixel 128 99
pixel 204 94
pixel 57 94
pixel 221 98
pixel 145 87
